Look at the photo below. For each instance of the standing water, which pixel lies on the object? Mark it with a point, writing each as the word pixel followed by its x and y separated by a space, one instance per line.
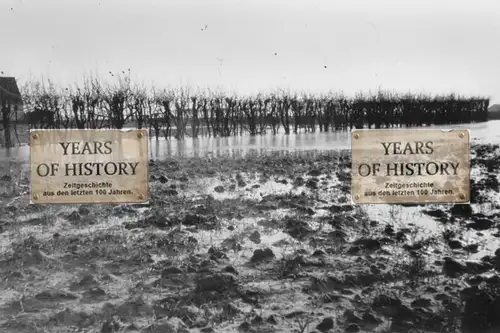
pixel 236 146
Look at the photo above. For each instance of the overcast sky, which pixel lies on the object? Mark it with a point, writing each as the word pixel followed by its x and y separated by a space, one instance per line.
pixel 434 46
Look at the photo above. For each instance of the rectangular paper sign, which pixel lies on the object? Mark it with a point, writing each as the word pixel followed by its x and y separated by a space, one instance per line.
pixel 89 166
pixel 410 166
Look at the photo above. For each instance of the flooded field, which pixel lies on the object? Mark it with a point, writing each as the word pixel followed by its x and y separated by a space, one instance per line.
pixel 234 243
pixel 238 146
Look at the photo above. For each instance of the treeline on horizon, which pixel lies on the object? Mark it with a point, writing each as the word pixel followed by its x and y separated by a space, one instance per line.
pixel 180 112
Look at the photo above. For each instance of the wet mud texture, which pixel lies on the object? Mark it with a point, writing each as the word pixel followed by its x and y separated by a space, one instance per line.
pixel 250 245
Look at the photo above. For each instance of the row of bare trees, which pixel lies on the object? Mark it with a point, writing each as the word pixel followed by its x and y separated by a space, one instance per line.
pixel 184 112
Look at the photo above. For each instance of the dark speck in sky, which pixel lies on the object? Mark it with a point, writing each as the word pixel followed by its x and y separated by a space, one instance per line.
pixel 308 34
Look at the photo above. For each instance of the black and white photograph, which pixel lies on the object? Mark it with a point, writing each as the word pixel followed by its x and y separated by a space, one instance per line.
pixel 279 166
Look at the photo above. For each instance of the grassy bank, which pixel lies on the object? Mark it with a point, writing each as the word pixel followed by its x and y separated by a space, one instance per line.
pixel 252 245
pixel 494 115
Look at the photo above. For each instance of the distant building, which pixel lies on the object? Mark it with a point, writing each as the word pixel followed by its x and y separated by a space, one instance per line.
pixel 494 108
pixel 10 99
pixel 494 112
pixel 11 107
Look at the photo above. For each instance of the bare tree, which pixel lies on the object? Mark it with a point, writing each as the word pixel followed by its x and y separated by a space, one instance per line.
pixel 139 105
pixel 116 103
pixel 97 105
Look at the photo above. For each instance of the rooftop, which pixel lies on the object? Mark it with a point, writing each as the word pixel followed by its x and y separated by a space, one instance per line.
pixel 494 108
pixel 9 89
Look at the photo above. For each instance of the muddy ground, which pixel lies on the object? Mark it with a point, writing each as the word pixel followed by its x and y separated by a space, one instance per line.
pixel 267 244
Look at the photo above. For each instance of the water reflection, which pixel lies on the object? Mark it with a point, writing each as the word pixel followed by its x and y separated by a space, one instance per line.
pixel 264 144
